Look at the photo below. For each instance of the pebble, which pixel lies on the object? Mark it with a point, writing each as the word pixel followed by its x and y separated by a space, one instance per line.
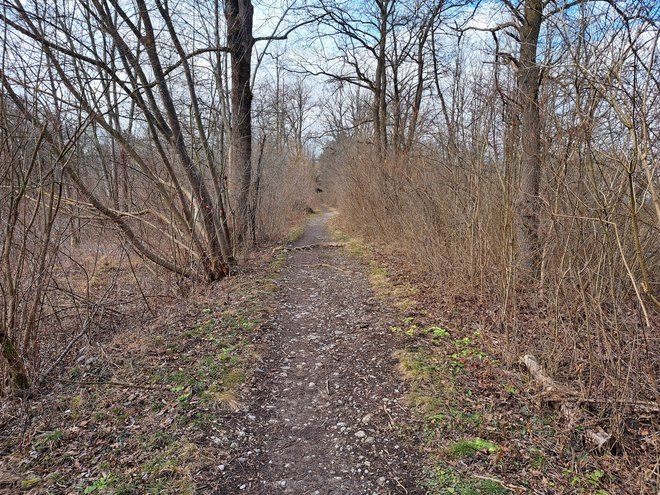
pixel 312 350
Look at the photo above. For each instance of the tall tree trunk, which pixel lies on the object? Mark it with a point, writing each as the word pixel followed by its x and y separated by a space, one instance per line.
pixel 528 83
pixel 238 14
pixel 379 109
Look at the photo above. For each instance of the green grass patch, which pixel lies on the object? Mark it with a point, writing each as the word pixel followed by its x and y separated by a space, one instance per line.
pixel 448 481
pixel 468 448
pixel 233 378
pixel 48 440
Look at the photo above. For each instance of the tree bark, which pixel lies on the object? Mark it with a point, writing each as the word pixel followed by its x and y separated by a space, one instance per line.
pixel 238 14
pixel 380 86
pixel 528 83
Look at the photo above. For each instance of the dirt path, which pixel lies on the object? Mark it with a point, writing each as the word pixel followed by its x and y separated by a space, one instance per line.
pixel 328 411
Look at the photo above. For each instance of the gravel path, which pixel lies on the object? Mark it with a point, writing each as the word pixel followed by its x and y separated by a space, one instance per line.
pixel 328 413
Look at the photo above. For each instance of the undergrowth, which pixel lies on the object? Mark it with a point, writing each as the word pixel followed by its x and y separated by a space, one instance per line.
pixel 482 430
pixel 149 412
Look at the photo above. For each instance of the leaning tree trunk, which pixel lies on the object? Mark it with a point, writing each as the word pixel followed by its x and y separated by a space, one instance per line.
pixel 238 14
pixel 528 82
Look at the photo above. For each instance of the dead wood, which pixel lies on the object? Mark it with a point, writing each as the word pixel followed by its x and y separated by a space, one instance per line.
pixel 568 402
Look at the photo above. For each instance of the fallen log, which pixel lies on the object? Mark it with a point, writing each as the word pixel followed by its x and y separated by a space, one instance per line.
pixel 551 388
pixel 534 368
pixel 568 402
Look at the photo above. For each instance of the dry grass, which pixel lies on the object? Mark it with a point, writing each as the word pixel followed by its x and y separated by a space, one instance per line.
pixel 456 229
pixel 483 426
pixel 147 410
pixel 286 194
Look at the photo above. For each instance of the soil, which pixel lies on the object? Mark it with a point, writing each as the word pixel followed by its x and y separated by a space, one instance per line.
pixel 328 415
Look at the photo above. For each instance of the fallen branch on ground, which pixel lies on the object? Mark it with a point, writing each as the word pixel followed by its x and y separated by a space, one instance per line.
pixel 568 401
pixel 551 389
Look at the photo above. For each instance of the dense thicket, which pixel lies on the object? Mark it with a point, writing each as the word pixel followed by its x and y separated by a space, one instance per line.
pixel 511 153
pixel 127 134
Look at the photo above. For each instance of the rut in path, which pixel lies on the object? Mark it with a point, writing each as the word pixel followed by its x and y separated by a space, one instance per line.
pixel 328 406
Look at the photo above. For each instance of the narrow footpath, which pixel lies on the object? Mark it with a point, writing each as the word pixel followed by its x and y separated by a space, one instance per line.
pixel 328 414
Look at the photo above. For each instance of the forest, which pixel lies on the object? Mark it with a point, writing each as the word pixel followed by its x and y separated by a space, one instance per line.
pixel 252 246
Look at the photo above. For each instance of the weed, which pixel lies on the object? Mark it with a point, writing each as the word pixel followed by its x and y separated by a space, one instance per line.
pixel 585 483
pixel 179 377
pixel 100 484
pixel 49 440
pixel 411 331
pixel 206 326
pixel 468 448
pixel 438 332
pixel 448 481
pixel 207 361
pixel 510 389
pixel 436 419
pixel 77 401
pixel 29 483
pixel 538 459
pixel 465 352
pixel 203 420
pixel 474 420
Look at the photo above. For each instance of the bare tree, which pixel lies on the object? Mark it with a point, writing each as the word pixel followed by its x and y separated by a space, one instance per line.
pixel 238 14
pixel 148 86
